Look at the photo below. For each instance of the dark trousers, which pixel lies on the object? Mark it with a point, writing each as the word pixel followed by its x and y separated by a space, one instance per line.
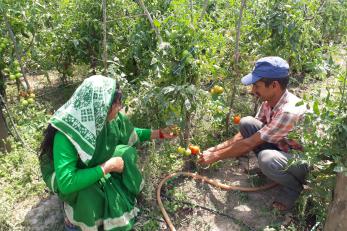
pixel 274 162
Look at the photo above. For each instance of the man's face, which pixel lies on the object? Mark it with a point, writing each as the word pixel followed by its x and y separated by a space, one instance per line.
pixel 261 91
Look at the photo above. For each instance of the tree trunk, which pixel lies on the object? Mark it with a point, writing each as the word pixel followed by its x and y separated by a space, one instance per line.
pixel 3 132
pixel 337 215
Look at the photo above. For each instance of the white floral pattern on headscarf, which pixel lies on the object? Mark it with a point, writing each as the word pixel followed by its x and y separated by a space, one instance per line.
pixel 84 115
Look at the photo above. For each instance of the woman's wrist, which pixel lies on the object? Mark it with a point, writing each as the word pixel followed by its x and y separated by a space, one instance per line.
pixel 103 168
pixel 161 134
pixel 155 134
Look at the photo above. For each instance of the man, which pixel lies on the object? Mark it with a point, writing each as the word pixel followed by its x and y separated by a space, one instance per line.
pixel 266 134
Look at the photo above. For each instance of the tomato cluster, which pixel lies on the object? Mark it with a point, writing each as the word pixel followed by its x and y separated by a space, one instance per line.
pixel 27 98
pixel 14 72
pixel 191 150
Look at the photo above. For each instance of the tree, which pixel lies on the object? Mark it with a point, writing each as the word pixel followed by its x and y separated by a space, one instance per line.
pixel 3 127
pixel 337 215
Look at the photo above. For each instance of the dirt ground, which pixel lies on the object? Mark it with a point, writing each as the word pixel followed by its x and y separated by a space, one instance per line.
pixel 229 210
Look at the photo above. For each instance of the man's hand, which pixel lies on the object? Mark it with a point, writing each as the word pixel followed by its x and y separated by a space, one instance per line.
pixel 207 157
pixel 115 164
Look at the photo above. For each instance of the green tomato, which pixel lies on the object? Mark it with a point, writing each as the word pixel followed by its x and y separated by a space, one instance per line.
pixel 12 77
pixel 31 100
pixel 187 152
pixel 181 150
pixel 185 53
pixel 24 102
pixel 18 75
pixel 189 60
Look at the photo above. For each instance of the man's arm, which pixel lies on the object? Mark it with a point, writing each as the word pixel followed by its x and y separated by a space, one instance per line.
pixel 227 143
pixel 235 149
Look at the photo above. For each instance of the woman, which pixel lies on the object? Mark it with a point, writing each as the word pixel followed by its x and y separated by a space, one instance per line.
pixel 87 158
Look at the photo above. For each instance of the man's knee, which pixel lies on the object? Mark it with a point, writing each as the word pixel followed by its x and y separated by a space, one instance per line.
pixel 247 121
pixel 249 125
pixel 268 162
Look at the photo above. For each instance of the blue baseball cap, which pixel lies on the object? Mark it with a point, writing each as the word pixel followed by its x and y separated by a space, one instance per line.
pixel 267 67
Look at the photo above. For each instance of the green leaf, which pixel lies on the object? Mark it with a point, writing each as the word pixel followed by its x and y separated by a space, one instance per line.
pixel 299 103
pixel 156 23
pixel 153 61
pixel 316 108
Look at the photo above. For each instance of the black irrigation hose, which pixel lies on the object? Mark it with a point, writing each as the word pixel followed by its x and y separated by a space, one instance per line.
pixel 237 221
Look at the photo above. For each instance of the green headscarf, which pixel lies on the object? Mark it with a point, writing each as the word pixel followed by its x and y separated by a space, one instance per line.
pixel 84 115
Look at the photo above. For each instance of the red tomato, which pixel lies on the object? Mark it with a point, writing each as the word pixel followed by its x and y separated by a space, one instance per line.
pixel 194 149
pixel 237 119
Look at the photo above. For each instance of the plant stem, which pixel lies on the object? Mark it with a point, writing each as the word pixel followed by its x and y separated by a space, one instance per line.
pixel 142 5
pixel 343 91
pixel 17 51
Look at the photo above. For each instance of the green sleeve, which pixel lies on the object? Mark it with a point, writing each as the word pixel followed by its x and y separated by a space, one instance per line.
pixel 69 178
pixel 126 131
pixel 144 134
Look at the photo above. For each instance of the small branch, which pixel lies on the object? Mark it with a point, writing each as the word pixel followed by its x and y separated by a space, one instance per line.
pixel 11 120
pixel 30 44
pixel 203 10
pixel 17 50
pixel 142 5
pixel 130 16
pixel 318 11
pixel 191 12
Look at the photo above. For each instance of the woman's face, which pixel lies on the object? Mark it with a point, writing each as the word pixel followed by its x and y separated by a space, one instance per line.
pixel 115 108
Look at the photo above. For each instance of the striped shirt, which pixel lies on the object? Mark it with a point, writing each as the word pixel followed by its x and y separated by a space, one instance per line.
pixel 281 120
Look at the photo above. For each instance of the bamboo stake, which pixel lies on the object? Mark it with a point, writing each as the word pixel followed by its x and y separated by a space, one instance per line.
pixel 203 10
pixel 142 5
pixel 191 11
pixel 104 42
pixel 236 62
pixel 343 93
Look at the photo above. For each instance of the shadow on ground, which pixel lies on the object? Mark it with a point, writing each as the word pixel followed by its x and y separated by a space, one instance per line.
pixel 47 214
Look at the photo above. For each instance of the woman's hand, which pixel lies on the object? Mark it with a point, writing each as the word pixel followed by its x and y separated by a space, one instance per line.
pixel 114 164
pixel 165 133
